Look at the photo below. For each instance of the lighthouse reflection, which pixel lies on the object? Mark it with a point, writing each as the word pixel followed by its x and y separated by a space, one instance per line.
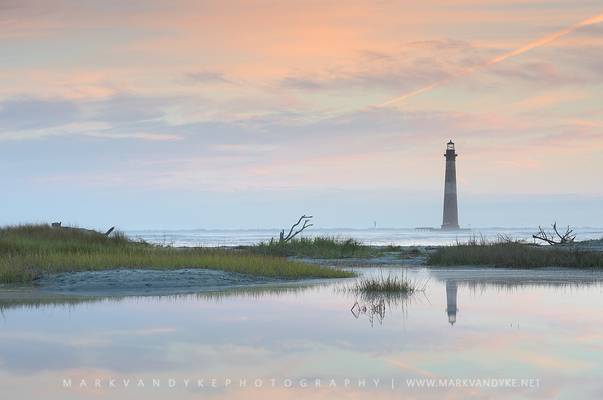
pixel 451 308
pixel 478 280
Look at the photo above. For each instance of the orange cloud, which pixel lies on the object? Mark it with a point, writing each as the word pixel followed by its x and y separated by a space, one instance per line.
pixel 513 53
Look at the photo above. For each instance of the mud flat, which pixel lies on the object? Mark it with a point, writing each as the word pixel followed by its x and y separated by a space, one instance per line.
pixel 147 281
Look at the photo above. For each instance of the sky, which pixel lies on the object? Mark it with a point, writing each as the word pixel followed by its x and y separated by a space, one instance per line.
pixel 243 114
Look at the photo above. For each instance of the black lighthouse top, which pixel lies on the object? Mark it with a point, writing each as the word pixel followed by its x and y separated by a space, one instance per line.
pixel 450 153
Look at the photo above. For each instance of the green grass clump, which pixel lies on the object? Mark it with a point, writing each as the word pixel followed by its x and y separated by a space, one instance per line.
pixel 318 247
pixel 392 284
pixel 514 254
pixel 29 251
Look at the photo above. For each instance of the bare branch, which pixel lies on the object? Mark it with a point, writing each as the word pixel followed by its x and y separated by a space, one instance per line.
pixel 567 237
pixel 293 232
pixel 306 225
pixel 295 225
pixel 556 231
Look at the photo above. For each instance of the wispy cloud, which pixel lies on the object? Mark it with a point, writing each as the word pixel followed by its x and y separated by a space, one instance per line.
pixel 31 113
pixel 207 76
pixel 500 58
pixel 159 137
pixel 118 117
pixel 406 66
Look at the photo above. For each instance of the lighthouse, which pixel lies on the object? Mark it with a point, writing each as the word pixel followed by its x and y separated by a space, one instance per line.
pixel 450 220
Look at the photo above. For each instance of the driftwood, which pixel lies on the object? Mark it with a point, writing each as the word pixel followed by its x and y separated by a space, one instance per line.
pixel 83 230
pixel 296 229
pixel 554 239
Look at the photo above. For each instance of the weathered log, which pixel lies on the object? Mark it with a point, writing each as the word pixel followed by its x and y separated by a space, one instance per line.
pixel 567 237
pixel 293 232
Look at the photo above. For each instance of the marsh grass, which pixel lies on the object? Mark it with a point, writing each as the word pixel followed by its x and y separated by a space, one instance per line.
pixel 29 251
pixel 390 284
pixel 317 247
pixel 375 294
pixel 505 252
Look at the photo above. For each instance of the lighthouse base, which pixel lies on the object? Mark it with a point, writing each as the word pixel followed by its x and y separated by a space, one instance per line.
pixel 450 228
pixel 442 229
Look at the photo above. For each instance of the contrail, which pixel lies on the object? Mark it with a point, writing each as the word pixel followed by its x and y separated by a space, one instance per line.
pixel 532 45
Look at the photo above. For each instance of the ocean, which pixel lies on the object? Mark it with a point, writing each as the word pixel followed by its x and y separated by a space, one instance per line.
pixel 376 237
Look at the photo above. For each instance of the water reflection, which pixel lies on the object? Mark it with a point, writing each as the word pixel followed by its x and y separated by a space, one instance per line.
pixel 31 298
pixel 306 332
pixel 482 279
pixel 375 308
pixel 511 278
pixel 451 309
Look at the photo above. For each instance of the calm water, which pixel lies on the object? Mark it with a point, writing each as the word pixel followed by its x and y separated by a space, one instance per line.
pixel 403 237
pixel 480 326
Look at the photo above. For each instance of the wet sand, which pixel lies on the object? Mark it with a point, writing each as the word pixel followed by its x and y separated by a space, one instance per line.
pixel 146 281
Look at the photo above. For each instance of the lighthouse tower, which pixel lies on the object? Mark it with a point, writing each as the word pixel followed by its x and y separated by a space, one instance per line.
pixel 450 221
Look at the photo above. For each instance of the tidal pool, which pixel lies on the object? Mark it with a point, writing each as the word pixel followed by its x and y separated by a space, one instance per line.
pixel 472 333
